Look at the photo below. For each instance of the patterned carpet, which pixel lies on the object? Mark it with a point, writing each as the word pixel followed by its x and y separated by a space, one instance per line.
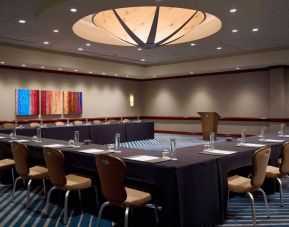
pixel 15 214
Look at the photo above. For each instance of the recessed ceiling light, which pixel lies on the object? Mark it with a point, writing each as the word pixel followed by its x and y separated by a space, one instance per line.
pixel 127 76
pixel 80 49
pixel 42 67
pixel 154 76
pixel 59 69
pixel 191 72
pixel 55 30
pixel 103 73
pixel 139 48
pixel 255 29
pixel 88 44
pixel 23 65
pixel 237 68
pixel 115 74
pixel 193 44
pixel 2 62
pixel 90 72
pixel 219 48
pixel 75 70
pixel 142 59
pixel 235 30
pixel 233 10
pixel 21 21
pixel 46 43
pixel 73 10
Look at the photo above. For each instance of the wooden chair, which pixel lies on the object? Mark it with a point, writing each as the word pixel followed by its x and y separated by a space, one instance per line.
pixel 111 121
pixel 8 125
pixel 8 164
pixel 96 122
pixel 59 123
pixel 34 124
pixel 77 122
pixel 20 155
pixel 54 160
pixel 239 184
pixel 273 172
pixel 111 171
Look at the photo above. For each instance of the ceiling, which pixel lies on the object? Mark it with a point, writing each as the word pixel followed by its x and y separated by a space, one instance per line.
pixel 271 17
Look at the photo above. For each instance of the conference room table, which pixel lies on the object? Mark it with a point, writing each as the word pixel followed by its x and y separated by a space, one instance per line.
pixel 191 190
pixel 97 133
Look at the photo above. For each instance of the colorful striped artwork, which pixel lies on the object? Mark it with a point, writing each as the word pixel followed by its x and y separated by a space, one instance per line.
pixel 51 102
pixel 72 102
pixel 27 102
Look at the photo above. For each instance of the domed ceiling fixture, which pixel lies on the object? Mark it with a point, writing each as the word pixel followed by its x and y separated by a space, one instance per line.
pixel 147 26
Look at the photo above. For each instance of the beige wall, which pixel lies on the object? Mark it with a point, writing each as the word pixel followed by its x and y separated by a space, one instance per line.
pixel 101 97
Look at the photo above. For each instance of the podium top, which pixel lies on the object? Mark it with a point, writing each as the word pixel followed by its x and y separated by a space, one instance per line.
pixel 211 114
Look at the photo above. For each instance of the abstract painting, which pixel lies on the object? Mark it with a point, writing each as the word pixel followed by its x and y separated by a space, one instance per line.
pixel 72 102
pixel 27 102
pixel 51 102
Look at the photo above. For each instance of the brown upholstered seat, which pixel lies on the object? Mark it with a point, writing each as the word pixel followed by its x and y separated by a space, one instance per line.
pixel 273 172
pixel 34 124
pixel 77 122
pixel 8 164
pixel 96 122
pixel 8 125
pixel 111 171
pixel 59 123
pixel 54 160
pixel 20 154
pixel 239 184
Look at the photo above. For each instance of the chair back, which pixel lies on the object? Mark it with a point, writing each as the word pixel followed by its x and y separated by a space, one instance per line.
pixel 284 167
pixel 111 121
pixel 8 125
pixel 54 161
pixel 126 120
pixel 260 162
pixel 34 124
pixel 20 155
pixel 59 123
pixel 111 171
pixel 77 122
pixel 96 122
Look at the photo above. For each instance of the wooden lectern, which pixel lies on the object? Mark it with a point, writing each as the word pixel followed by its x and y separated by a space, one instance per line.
pixel 209 123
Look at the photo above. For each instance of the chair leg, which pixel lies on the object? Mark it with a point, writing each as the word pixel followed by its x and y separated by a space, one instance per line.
pixel 14 187
pixel 48 199
pixel 155 207
pixel 100 213
pixel 28 193
pixel 253 207
pixel 126 213
pixel 13 177
pixel 265 201
pixel 79 195
pixel 44 187
pixel 281 191
pixel 65 207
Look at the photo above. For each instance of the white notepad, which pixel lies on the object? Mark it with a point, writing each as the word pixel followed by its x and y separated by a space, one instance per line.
pixel 91 151
pixel 143 158
pixel 54 145
pixel 250 145
pixel 271 140
pixel 215 151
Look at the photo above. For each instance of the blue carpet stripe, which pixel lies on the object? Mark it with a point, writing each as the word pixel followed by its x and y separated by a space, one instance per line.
pixel 16 214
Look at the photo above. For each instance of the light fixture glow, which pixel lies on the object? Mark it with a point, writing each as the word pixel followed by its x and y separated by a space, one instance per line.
pixel 88 44
pixel 139 48
pixel 59 69
pixel 2 62
pixel 255 29
pixel 55 30
pixel 73 10
pixel 219 48
pixel 103 73
pixel 23 65
pixel 90 72
pixel 237 68
pixel 235 30
pixel 143 59
pixel 46 43
pixel 147 26
pixel 42 67
pixel 131 100
pixel 233 10
pixel 193 44
pixel 22 21
pixel 75 70
pixel 80 49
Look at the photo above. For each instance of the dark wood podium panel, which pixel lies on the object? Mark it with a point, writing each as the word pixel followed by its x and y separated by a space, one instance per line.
pixel 209 123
